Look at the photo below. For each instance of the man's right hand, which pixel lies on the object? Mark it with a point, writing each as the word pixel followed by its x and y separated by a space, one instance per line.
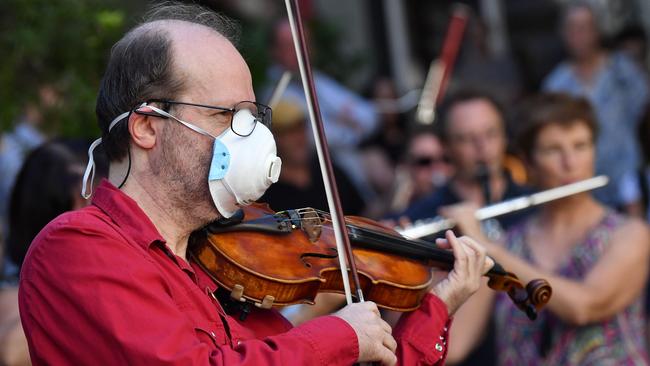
pixel 376 343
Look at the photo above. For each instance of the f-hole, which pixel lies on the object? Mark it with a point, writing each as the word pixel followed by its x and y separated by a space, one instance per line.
pixel 305 256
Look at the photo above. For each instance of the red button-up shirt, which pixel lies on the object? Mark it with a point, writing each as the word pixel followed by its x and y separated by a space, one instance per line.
pixel 99 286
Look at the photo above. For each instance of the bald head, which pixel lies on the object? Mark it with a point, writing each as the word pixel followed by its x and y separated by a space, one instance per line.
pixel 209 62
pixel 158 60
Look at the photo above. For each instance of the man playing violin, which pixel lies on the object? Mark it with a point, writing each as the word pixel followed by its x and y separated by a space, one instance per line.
pixel 113 283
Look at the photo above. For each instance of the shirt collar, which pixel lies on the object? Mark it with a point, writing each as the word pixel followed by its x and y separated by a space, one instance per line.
pixel 126 213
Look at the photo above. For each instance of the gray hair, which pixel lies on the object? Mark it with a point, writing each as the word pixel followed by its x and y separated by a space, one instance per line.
pixel 140 68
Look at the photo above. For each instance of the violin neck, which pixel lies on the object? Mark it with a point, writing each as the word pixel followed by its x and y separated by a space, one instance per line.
pixel 409 248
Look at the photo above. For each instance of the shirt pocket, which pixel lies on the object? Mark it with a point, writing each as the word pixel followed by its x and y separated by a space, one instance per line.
pixel 208 330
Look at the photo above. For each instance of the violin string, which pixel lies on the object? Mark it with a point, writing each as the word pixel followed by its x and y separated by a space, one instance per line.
pixel 414 243
pixel 425 248
pixel 316 221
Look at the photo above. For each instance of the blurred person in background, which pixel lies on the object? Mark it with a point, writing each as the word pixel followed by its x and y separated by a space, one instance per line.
pixel 479 65
pixel 300 183
pixel 615 86
pixel 473 134
pixel 347 118
pixel 633 42
pixel 46 186
pixel 635 185
pixel 425 169
pixel 390 135
pixel 595 259
pixel 382 150
pixel 15 145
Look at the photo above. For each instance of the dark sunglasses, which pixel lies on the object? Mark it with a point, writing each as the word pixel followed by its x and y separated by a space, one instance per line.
pixel 424 161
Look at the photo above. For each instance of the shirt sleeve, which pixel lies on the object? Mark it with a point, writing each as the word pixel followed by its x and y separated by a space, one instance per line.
pixel 422 335
pixel 89 297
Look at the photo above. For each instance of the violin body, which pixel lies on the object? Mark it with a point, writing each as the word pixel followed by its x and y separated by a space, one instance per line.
pixel 289 257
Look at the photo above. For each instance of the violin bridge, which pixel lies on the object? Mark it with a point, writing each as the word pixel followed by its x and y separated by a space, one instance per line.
pixel 311 224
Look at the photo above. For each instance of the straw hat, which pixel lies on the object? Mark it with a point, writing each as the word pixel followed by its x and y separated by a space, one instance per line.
pixel 287 115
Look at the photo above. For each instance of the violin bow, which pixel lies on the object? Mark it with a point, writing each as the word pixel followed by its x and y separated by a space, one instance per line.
pixel 343 246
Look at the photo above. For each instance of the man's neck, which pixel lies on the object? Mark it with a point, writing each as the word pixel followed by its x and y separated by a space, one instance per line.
pixel 470 189
pixel 174 228
pixel 588 65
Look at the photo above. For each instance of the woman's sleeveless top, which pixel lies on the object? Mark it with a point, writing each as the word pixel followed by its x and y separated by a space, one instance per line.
pixel 620 340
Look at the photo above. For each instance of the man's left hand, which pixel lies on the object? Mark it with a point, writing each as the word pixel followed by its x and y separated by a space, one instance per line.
pixel 471 263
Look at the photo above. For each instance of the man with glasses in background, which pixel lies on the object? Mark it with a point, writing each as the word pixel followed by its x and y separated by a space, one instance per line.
pixel 113 283
pixel 473 132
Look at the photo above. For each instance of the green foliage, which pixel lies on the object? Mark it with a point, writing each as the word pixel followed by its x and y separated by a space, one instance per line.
pixel 64 44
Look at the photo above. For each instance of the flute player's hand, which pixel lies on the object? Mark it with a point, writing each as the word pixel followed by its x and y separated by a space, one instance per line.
pixel 464 216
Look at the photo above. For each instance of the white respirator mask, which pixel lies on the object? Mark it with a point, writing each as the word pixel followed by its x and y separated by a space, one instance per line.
pixel 242 167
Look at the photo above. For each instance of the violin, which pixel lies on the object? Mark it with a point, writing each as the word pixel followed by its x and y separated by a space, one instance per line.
pixel 281 258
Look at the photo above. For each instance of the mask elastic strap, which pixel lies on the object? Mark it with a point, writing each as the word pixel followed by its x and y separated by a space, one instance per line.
pixel 87 185
pixel 186 124
pixel 86 189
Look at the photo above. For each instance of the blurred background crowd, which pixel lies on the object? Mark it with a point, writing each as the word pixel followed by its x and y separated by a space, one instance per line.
pixel 372 58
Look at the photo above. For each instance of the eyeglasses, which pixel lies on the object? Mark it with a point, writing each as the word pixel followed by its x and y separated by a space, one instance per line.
pixel 240 126
pixel 425 161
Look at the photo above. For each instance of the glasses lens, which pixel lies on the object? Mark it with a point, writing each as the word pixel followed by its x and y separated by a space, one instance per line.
pixel 247 114
pixel 243 122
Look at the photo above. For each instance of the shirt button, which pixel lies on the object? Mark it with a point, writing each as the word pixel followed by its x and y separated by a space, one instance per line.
pixel 438 347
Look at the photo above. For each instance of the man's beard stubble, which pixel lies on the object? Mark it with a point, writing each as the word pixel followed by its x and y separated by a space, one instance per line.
pixel 182 168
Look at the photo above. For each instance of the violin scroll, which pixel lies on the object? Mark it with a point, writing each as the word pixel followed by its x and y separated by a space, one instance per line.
pixel 529 299
pixel 539 292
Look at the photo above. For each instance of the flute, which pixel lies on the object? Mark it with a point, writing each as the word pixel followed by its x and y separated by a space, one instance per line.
pixel 422 228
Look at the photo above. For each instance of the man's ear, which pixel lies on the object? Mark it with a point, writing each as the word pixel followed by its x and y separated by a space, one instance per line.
pixel 141 129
